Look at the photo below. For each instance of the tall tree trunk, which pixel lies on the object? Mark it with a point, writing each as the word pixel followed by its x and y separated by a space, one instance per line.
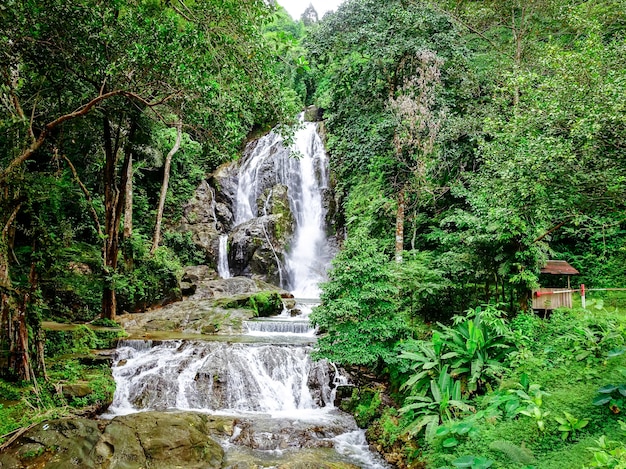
pixel 12 314
pixel 400 224
pixel 39 366
pixel 110 248
pixel 166 179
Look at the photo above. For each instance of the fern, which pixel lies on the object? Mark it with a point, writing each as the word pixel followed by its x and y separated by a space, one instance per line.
pixel 517 454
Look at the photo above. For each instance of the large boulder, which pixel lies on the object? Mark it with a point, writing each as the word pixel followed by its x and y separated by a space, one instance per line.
pixel 258 247
pixel 241 299
pixel 155 440
pixel 225 180
pixel 200 219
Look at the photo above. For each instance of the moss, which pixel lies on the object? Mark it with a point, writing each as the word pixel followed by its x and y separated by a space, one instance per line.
pixel 79 339
pixel 263 304
pixel 28 406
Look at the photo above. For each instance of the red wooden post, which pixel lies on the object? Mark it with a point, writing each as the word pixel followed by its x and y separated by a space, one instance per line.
pixel 583 301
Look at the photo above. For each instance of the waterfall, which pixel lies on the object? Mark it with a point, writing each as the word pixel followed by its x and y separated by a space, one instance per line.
pixel 309 257
pixel 217 376
pixel 303 169
pixel 248 181
pixel 282 399
pixel 222 263
pixel 279 327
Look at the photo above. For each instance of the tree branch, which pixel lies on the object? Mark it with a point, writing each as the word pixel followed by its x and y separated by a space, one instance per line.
pixel 87 195
pixel 552 230
pixel 81 111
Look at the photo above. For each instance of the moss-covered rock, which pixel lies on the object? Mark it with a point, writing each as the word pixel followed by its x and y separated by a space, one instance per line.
pixel 146 440
pixel 263 304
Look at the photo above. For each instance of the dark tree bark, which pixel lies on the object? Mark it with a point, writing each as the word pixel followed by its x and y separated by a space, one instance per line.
pixel 113 206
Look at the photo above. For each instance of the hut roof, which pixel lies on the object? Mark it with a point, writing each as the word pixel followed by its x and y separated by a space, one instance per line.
pixel 558 268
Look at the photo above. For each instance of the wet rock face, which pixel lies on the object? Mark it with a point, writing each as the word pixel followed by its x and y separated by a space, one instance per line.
pixel 258 246
pixel 225 179
pixel 150 439
pixel 313 114
pixel 199 218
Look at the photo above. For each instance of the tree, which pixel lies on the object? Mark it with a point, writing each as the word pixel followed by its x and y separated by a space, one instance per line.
pixel 84 82
pixel 166 177
pixel 417 126
pixel 358 312
pixel 309 15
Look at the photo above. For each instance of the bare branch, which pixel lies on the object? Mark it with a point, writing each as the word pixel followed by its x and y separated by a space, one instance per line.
pixel 552 230
pixel 87 195
pixel 81 111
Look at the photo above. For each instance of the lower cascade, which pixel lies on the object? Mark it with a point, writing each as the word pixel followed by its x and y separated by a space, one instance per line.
pixel 282 399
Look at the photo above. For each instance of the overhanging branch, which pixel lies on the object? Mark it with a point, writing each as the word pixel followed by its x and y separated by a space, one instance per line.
pixel 81 111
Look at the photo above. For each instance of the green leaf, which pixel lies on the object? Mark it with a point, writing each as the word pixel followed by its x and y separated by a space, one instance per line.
pixel 601 400
pixel 616 352
pixel 464 461
pixel 450 442
pixel 609 388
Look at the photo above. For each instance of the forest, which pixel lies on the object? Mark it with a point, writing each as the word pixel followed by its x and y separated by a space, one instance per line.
pixel 469 141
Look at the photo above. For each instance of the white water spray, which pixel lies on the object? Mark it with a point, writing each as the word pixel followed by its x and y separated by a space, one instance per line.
pixel 303 168
pixel 222 261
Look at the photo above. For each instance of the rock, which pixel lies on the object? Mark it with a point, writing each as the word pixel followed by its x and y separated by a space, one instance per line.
pixel 178 439
pixel 148 439
pixel 343 393
pixel 191 317
pixel 264 304
pixel 194 276
pixel 187 288
pixel 255 249
pixel 198 273
pixel 72 391
pixel 79 268
pixel 225 179
pixel 224 287
pixel 94 359
pixel 313 114
pixel 200 219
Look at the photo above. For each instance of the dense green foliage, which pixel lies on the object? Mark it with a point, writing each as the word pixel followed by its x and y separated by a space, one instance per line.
pixel 91 96
pixel 470 141
pixel 484 138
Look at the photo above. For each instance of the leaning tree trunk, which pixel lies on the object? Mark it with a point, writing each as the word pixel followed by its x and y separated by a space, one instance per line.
pixel 400 224
pixel 166 180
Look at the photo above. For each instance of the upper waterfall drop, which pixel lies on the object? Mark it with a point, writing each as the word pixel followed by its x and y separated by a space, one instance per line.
pixel 303 169
pixel 309 257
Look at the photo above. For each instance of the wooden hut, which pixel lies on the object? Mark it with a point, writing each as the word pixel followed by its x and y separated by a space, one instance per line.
pixel 549 298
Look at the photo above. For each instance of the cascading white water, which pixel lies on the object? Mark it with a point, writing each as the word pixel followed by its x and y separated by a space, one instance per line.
pixel 222 262
pixel 303 168
pixel 248 181
pixel 279 327
pixel 217 376
pixel 308 258
pixel 255 379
